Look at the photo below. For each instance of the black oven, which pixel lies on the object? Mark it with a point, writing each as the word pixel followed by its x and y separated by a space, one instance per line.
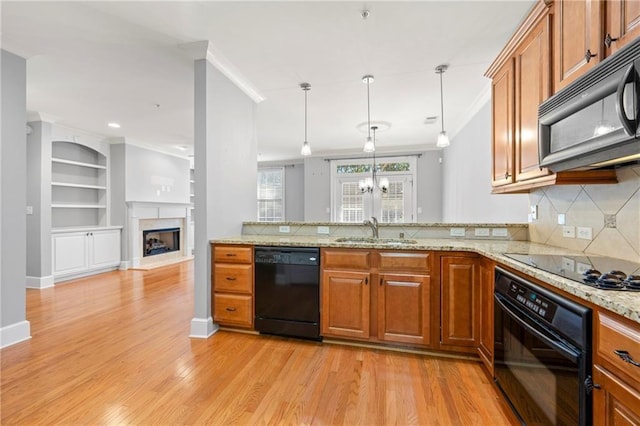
pixel 542 353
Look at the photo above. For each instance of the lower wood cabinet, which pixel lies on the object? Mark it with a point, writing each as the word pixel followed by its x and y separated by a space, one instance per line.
pixel 460 302
pixel 616 372
pixel 485 344
pixel 376 295
pixel 232 285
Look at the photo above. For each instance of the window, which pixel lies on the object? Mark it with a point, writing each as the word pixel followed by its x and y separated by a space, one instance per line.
pixel 271 195
pixel 351 205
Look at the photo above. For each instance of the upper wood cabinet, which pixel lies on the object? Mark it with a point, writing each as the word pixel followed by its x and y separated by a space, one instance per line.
pixel 578 45
pixel 522 78
pixel 622 24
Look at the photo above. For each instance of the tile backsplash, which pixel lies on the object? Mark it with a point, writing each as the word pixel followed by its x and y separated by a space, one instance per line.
pixel 612 212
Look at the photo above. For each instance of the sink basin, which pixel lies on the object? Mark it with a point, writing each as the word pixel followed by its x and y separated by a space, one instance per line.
pixel 369 240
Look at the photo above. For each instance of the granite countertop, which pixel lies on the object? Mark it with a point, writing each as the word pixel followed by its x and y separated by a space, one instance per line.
pixel 623 303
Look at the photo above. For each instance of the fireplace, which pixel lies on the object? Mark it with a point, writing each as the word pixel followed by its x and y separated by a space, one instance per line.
pixel 160 241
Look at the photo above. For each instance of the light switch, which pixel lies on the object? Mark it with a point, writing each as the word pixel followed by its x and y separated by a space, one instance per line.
pixel 29 209
pixel 561 219
pixel 456 232
pixel 284 229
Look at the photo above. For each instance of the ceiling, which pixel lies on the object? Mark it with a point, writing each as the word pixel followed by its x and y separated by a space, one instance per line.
pixel 90 63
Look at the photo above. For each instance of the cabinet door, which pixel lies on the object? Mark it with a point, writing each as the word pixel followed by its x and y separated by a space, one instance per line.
pixel 578 36
pixel 485 346
pixel 403 308
pixel 104 248
pixel 502 117
pixel 345 304
pixel 460 299
pixel 614 403
pixel 69 253
pixel 532 87
pixel 622 23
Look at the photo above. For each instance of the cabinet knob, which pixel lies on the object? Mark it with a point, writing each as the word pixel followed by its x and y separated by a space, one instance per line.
pixel 624 355
pixel 231 309
pixel 507 175
pixel 589 55
pixel 589 385
pixel 608 40
pixel 366 281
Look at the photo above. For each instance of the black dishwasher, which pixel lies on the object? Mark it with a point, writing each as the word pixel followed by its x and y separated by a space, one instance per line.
pixel 287 291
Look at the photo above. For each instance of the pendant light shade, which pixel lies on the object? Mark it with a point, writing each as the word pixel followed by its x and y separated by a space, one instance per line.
pixel 369 145
pixel 306 148
pixel 443 139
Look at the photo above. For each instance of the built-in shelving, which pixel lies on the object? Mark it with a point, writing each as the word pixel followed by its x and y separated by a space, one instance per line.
pixel 79 186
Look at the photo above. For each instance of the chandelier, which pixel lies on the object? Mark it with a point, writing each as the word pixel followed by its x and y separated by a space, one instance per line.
pixel 368 185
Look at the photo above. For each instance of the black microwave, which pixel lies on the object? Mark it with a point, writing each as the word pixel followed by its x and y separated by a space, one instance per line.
pixel 594 121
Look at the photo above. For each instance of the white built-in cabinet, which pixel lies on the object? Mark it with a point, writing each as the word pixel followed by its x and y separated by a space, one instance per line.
pixel 82 241
pixel 85 251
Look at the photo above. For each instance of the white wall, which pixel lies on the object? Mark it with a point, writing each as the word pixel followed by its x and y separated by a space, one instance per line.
pixel 467 194
pixel 225 175
pixel 13 200
pixel 155 177
pixel 429 187
pixel 317 190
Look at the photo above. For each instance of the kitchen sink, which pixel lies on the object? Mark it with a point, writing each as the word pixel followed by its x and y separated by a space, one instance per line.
pixel 370 240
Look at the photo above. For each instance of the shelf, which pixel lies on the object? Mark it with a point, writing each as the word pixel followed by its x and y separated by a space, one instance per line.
pixel 78 206
pixel 78 163
pixel 77 185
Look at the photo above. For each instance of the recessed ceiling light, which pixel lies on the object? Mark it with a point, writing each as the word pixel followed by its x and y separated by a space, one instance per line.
pixel 431 120
pixel 114 125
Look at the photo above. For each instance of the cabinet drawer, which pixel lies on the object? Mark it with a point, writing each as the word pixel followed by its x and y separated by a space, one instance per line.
pixel 233 278
pixel 232 254
pixel 614 335
pixel 404 261
pixel 233 309
pixel 346 259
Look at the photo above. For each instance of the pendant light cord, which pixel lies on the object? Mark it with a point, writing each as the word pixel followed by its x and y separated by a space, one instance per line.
pixel 441 101
pixel 368 109
pixel 305 115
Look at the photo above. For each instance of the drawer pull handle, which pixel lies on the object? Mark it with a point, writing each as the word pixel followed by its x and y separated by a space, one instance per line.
pixel 624 355
pixel 230 278
pixel 231 309
pixel 380 281
pixel 366 281
pixel 231 255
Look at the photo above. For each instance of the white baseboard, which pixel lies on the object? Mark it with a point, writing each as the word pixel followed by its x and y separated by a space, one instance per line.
pixel 203 328
pixel 40 282
pixel 124 265
pixel 15 333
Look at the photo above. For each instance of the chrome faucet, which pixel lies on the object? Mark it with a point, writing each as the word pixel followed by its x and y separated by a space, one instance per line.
pixel 373 223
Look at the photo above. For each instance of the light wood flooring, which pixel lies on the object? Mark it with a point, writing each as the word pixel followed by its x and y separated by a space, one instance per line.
pixel 114 349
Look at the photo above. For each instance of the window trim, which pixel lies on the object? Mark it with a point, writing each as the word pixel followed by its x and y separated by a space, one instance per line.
pixel 284 186
pixel 413 172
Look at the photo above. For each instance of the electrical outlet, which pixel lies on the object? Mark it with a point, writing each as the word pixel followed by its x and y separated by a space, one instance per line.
pixel 456 232
pixel 581 268
pixel 499 232
pixel 569 231
pixel 585 232
pixel 284 229
pixel 561 219
pixel 323 230
pixel 482 232
pixel 534 212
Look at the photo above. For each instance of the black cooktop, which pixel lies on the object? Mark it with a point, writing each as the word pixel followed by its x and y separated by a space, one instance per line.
pixel 601 272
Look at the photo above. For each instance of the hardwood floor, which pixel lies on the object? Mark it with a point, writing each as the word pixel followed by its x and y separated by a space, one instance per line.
pixel 114 349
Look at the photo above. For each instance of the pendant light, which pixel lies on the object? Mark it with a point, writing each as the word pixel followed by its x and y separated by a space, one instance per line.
pixel 306 149
pixel 369 146
pixel 443 139
pixel 370 183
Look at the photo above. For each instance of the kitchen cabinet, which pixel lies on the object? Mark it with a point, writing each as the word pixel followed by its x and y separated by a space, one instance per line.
pixel 460 302
pixel 587 31
pixel 578 39
pixel 83 252
pixel 522 79
pixel 232 285
pixel 376 295
pixel 616 372
pixel 485 344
